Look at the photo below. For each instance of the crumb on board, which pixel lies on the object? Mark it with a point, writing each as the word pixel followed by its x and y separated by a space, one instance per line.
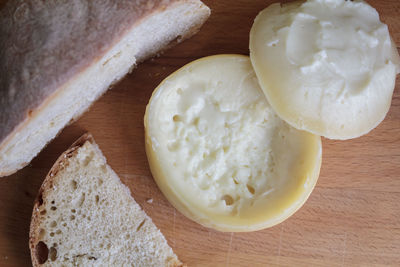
pixel 149 200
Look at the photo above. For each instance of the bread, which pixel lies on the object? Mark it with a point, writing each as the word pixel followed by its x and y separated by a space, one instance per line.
pixel 327 67
pixel 85 216
pixel 57 57
pixel 220 154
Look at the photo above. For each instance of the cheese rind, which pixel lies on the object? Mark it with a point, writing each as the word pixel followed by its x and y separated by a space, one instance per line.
pixel 326 66
pixel 220 154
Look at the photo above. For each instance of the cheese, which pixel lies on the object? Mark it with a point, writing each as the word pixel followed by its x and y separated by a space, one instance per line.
pixel 220 154
pixel 326 66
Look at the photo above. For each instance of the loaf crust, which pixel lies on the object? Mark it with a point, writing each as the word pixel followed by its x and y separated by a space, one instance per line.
pixel 46 44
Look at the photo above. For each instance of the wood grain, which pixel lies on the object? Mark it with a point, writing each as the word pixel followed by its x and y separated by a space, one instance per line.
pixel 351 219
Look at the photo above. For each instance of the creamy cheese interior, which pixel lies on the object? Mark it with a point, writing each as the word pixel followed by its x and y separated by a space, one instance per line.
pixel 326 66
pixel 220 153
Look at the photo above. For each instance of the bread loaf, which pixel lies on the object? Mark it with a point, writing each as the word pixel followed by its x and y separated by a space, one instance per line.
pixel 85 216
pixel 57 57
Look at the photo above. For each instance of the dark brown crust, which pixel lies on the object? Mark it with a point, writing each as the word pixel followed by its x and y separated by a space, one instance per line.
pixel 32 98
pixel 46 187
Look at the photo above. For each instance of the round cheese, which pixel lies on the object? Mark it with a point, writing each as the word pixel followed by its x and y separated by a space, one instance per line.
pixel 326 66
pixel 220 154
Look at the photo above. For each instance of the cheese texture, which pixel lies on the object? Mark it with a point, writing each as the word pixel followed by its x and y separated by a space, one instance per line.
pixel 326 66
pixel 220 154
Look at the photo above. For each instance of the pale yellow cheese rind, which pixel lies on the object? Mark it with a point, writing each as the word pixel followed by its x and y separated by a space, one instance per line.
pixel 220 154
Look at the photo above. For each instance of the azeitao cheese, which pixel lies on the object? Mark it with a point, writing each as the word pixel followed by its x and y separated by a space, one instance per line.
pixel 326 66
pixel 220 154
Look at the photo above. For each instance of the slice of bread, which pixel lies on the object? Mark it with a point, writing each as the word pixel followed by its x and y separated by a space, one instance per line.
pixel 85 216
pixel 58 57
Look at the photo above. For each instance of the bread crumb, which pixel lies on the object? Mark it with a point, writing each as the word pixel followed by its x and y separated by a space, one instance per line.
pixel 150 200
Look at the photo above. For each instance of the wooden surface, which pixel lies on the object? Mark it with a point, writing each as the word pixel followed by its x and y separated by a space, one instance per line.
pixel 351 219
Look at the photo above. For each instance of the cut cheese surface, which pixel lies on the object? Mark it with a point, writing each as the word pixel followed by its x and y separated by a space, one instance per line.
pixel 220 154
pixel 326 66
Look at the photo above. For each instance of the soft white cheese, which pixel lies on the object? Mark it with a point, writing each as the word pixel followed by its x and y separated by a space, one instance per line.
pixel 326 66
pixel 220 153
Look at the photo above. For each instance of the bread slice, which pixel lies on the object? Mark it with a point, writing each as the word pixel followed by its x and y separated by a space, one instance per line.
pixel 58 57
pixel 85 216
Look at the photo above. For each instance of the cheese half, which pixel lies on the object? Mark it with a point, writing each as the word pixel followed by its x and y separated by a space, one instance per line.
pixel 220 154
pixel 326 66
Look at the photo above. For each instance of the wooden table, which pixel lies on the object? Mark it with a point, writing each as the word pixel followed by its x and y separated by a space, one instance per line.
pixel 351 219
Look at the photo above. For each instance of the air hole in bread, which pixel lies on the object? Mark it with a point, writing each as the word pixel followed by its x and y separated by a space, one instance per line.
pixel 109 59
pixel 97 198
pixel 228 200
pixel 74 184
pixel 53 202
pixel 176 40
pixel 53 253
pixel 43 212
pixel 251 189
pixel 40 199
pixel 73 210
pixel 53 208
pixel 51 234
pixel 140 225
pixel 235 181
pixel 82 199
pixel 104 168
pixel 58 232
pixel 88 159
pixel 72 217
pixel 42 252
pixel 53 224
pixel 41 233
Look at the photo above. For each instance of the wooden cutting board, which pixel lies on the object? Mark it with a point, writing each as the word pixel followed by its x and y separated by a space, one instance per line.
pixel 351 219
